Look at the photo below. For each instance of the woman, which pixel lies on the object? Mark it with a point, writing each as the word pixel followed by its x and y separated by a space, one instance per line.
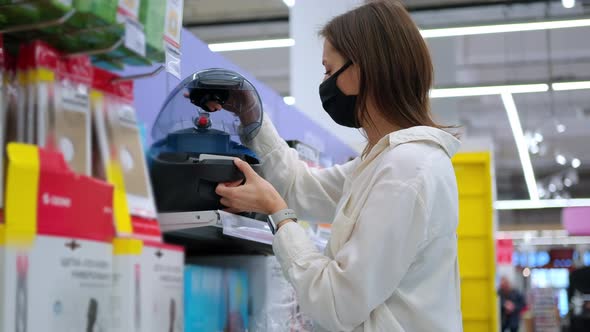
pixel 391 263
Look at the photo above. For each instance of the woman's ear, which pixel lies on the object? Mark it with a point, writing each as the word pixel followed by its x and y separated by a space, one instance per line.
pixel 349 81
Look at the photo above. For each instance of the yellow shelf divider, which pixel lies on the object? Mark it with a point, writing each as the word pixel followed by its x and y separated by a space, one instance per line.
pixel 477 257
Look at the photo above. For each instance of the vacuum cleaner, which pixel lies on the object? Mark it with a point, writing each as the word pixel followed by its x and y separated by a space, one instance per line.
pixel 196 137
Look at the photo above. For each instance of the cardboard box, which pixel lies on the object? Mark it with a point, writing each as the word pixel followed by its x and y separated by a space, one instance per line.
pixel 217 299
pixel 59 104
pixel 11 100
pixel 3 107
pixel 22 74
pixel 272 300
pixel 278 310
pixel 148 286
pixel 21 12
pixel 56 251
pixel 152 15
pixel 120 155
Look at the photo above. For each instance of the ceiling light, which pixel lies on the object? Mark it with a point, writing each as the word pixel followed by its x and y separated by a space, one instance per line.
pixel 502 28
pixel 534 149
pixel 430 33
pixel 541 204
pixel 563 86
pixel 560 159
pixel 567 182
pixel 552 187
pixel 487 90
pixel 576 163
pixel 560 127
pixel 525 159
pixel 291 3
pixel 289 100
pixel 251 45
pixel 538 137
pixel 568 4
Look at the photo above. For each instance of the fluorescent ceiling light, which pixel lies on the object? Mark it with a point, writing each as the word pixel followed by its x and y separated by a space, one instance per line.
pixel 474 91
pixel 289 100
pixel 487 90
pixel 560 159
pixel 568 4
pixel 570 86
pixel 251 45
pixel 576 163
pixel 541 204
pixel 503 28
pixel 521 145
pixel 426 33
pixel 291 3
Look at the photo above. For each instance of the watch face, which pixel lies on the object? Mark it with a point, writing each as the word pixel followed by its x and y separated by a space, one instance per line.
pixel 272 225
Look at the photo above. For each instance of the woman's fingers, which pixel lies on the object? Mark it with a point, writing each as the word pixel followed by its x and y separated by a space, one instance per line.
pixel 213 106
pixel 224 190
pixel 233 184
pixel 248 171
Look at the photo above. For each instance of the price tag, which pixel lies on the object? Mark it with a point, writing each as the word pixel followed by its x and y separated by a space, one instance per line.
pixel 135 37
pixel 172 31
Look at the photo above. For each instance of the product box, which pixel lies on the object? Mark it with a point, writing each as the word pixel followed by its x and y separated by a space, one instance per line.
pixel 22 74
pixel 120 154
pixel 58 104
pixel 152 15
pixel 56 246
pixel 272 303
pixel 44 65
pixel 172 31
pixel 216 299
pixel 27 12
pixel 278 309
pixel 148 286
pixel 205 298
pixel 133 50
pixel 3 107
pixel 93 13
pixel 11 98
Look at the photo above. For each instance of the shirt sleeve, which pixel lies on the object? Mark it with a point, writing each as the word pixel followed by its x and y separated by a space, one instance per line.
pixel 313 193
pixel 340 293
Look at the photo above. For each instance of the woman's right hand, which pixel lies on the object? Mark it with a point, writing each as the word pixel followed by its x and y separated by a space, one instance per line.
pixel 243 103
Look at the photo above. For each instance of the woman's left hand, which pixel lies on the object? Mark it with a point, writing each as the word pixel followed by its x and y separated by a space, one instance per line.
pixel 256 195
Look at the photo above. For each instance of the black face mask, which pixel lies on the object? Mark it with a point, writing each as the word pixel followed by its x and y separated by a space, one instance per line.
pixel 340 107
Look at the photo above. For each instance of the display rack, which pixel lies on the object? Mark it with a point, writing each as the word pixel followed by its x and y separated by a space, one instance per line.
pixel 216 232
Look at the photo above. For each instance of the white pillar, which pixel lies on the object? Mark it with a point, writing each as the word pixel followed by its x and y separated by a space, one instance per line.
pixel 307 17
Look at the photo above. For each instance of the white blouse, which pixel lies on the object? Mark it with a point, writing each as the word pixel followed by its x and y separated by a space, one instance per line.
pixel 391 263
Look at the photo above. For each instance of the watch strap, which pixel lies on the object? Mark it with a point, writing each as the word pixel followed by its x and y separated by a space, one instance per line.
pixel 275 219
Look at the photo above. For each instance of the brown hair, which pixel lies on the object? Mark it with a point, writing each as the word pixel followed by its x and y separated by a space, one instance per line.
pixel 395 68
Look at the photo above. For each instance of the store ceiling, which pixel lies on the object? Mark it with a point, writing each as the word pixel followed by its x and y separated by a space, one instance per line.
pixel 511 57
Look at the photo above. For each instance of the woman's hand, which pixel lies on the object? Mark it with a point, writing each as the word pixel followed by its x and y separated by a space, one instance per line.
pixel 256 195
pixel 241 103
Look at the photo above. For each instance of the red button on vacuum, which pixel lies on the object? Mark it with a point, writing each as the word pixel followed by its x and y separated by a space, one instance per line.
pixel 203 121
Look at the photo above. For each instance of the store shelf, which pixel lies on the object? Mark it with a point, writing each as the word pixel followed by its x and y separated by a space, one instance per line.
pixel 216 233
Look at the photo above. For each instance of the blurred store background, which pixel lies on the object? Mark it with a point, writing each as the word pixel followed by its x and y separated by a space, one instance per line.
pixel 513 76
pixel 535 52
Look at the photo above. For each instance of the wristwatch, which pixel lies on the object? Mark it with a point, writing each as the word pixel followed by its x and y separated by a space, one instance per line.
pixel 275 219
